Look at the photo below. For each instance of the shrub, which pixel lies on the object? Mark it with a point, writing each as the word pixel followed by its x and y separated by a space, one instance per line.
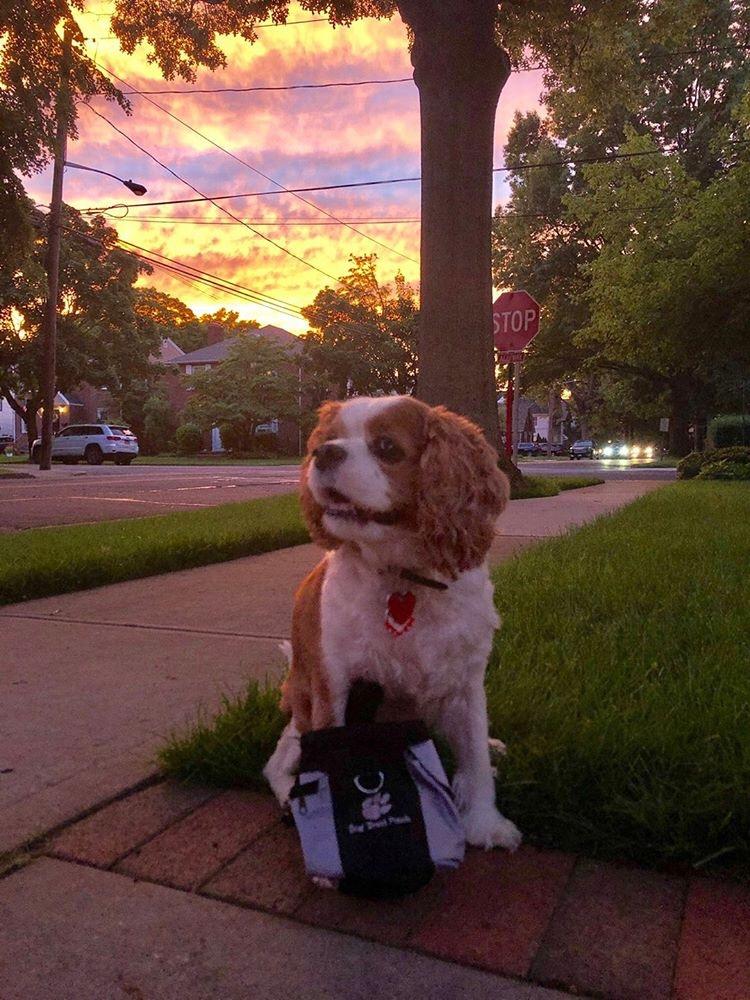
pixel 158 424
pixel 725 469
pixel 729 429
pixel 689 466
pixel 189 439
pixel 719 463
pixel 236 439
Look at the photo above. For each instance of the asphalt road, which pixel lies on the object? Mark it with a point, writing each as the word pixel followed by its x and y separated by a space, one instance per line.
pixel 72 495
pixel 75 494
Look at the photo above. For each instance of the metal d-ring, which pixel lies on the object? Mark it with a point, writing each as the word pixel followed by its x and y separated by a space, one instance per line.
pixel 370 791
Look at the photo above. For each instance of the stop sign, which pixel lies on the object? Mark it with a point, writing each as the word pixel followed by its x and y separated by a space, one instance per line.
pixel 516 320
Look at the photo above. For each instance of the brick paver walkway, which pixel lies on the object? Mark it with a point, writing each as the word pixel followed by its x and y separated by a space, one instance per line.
pixel 544 917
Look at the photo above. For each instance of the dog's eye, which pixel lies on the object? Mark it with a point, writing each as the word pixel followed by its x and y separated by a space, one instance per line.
pixel 386 449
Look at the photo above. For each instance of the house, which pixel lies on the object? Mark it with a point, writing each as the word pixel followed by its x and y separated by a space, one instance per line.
pixel 218 348
pixel 7 424
pixel 216 351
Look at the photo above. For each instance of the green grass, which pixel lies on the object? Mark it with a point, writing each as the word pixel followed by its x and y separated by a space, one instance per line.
pixel 549 486
pixel 231 749
pixel 619 680
pixel 46 561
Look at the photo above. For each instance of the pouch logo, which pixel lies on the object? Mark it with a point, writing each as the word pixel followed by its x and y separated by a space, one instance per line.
pixel 376 806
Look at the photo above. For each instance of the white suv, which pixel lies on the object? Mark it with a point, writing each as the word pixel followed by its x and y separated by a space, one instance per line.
pixel 92 442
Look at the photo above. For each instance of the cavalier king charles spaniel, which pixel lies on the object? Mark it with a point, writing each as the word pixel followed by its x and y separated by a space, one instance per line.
pixel 404 497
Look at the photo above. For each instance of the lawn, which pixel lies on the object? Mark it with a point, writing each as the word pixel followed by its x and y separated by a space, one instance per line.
pixel 55 560
pixel 45 561
pixel 619 680
pixel 535 487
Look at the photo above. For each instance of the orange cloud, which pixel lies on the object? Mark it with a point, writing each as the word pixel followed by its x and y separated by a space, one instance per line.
pixel 299 138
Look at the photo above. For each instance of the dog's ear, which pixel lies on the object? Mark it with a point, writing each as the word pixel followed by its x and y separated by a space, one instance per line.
pixel 311 510
pixel 461 493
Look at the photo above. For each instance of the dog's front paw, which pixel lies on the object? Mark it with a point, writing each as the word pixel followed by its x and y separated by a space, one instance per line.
pixel 488 828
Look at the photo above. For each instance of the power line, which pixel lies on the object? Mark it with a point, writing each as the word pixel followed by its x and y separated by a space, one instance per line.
pixel 187 270
pixel 176 220
pixel 272 180
pixel 204 197
pixel 233 284
pixel 362 184
pixel 291 86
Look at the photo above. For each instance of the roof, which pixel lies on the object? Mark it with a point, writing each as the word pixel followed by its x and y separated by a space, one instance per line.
pixel 168 352
pixel 219 351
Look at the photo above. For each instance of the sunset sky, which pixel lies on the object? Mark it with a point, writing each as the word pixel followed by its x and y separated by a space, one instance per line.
pixel 299 138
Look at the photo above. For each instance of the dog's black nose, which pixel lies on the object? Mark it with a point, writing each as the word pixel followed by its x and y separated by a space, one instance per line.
pixel 328 456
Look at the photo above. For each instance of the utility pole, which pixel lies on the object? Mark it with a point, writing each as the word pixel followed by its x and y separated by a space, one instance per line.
pixel 516 396
pixel 551 407
pixel 54 222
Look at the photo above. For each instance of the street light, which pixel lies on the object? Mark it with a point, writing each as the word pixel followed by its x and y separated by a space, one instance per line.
pixel 133 186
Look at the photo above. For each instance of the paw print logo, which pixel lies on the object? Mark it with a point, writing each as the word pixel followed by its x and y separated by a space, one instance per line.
pixel 376 806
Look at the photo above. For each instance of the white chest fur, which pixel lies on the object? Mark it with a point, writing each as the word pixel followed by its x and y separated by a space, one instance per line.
pixel 446 646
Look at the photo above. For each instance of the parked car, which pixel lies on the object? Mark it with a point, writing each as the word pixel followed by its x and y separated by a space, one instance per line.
pixel 583 449
pixel 94 443
pixel 528 448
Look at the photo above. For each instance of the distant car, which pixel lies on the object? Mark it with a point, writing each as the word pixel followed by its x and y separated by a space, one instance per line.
pixel 623 449
pixel 92 443
pixel 528 448
pixel 583 449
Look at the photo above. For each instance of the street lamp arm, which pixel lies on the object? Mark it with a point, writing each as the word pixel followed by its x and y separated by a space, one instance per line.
pixel 133 186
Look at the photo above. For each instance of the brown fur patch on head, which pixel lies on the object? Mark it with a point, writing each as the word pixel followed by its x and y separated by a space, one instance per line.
pixel 461 494
pixel 325 429
pixel 405 422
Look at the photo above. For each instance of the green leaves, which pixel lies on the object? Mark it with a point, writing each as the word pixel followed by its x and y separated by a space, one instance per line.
pixel 257 383
pixel 363 336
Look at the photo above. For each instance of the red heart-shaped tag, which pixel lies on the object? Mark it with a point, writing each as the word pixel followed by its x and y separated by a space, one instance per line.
pixel 400 612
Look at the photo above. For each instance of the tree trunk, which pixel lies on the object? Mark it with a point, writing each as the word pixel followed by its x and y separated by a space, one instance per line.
pixel 679 419
pixel 29 418
pixel 460 73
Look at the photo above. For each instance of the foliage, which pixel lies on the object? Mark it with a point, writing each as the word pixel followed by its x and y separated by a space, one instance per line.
pixel 693 464
pixel 158 425
pixel 637 85
pixel 724 468
pixel 256 383
pixel 172 318
pixel 689 466
pixel 99 340
pixel 31 39
pixel 363 335
pixel 45 561
pixel 188 438
pixel 729 429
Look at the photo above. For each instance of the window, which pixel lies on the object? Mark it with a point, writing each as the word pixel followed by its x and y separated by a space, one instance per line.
pixel 188 369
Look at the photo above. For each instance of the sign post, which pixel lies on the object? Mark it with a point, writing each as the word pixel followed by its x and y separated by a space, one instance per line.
pixel 516 323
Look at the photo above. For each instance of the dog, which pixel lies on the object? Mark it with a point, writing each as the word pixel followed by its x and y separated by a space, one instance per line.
pixel 404 497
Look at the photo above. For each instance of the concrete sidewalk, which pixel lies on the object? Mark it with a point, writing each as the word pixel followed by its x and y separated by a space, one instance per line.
pixel 193 892
pixel 92 681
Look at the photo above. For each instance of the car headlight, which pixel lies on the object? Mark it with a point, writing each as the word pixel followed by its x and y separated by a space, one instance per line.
pixel 608 452
pixel 624 451
pixel 635 451
pixel 649 453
